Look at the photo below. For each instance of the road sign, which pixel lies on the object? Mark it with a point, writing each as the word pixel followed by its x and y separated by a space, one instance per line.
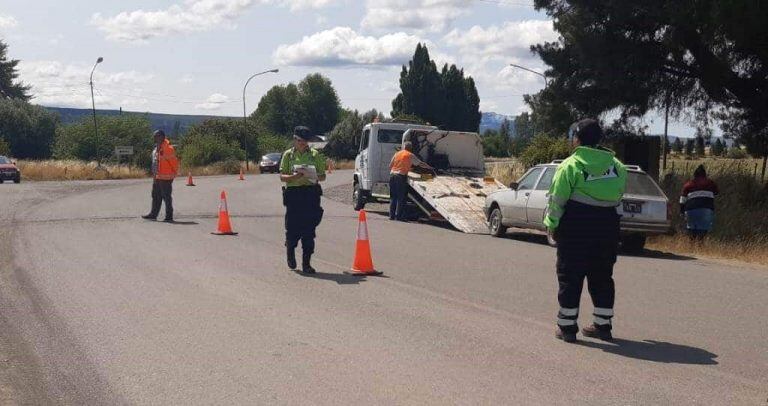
pixel 120 151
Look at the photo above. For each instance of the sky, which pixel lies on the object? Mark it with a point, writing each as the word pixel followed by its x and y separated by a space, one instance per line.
pixel 194 56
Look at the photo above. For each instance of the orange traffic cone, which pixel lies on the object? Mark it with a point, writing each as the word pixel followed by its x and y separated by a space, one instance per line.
pixel 225 228
pixel 241 174
pixel 363 263
pixel 189 180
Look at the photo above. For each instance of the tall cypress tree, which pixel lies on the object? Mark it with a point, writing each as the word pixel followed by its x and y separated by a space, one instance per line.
pixel 9 87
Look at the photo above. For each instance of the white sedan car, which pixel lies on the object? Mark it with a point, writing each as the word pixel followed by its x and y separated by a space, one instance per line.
pixel 644 210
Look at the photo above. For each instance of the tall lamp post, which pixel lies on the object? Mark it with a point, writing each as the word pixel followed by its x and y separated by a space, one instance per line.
pixel 245 114
pixel 546 82
pixel 93 104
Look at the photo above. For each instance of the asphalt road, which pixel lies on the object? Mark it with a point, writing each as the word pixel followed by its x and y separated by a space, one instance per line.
pixel 101 307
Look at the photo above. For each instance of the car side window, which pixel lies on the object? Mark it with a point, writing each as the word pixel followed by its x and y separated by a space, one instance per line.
pixel 546 180
pixel 527 182
pixel 364 141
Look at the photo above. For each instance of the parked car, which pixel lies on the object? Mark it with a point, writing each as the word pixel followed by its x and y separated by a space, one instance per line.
pixel 9 171
pixel 270 162
pixel 644 210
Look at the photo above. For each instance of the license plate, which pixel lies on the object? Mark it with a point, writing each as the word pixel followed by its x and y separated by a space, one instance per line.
pixel 633 207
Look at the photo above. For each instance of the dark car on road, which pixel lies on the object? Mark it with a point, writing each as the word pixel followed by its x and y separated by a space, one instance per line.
pixel 270 162
pixel 9 171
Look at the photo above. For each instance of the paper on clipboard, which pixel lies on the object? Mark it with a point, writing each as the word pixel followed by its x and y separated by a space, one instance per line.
pixel 309 172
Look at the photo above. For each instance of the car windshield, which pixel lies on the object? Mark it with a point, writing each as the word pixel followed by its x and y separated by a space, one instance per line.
pixel 390 136
pixel 642 184
pixel 4 160
pixel 273 157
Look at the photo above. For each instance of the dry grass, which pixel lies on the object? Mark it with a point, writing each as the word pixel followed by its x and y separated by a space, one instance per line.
pixel 752 250
pixel 76 170
pixel 341 165
pixel 506 171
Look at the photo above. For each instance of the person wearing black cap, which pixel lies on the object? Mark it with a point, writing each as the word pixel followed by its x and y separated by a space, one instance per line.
pixel 582 218
pixel 165 165
pixel 301 169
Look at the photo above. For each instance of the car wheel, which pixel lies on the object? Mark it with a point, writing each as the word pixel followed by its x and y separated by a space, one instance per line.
pixel 17 180
pixel 633 243
pixel 495 224
pixel 358 198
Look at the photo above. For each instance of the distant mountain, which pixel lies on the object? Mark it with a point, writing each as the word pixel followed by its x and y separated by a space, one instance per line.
pixel 165 122
pixel 492 121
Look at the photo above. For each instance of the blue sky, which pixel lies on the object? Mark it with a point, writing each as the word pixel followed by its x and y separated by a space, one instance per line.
pixel 193 56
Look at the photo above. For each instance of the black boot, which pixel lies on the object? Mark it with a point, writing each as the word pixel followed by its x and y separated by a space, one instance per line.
pixel 149 217
pixel 290 255
pixel 305 265
pixel 599 332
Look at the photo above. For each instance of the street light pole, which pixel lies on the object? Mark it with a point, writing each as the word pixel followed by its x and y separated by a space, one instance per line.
pixel 546 82
pixel 93 104
pixel 245 114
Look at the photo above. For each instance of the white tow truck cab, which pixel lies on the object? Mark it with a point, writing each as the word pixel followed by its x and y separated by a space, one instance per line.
pixel 457 190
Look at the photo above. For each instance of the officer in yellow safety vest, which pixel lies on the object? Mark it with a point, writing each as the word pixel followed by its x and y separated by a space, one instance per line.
pixel 301 169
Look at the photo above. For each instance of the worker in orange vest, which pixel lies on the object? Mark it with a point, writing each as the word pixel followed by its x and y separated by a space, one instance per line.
pixel 399 167
pixel 165 165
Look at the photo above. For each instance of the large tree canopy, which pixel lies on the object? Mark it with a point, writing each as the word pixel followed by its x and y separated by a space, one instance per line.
pixel 637 56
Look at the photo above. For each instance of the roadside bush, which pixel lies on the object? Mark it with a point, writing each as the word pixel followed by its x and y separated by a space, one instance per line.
pixel 272 143
pixel 545 148
pixel 27 129
pixel 5 149
pixel 737 153
pixel 495 144
pixel 206 149
pixel 78 141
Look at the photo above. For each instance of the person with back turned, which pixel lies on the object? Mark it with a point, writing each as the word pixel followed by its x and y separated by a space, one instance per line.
pixel 165 165
pixel 583 219
pixel 697 203
pixel 399 166
pixel 301 169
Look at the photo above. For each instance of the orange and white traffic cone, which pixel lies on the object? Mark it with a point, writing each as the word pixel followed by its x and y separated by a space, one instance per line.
pixel 225 228
pixel 242 177
pixel 189 180
pixel 363 263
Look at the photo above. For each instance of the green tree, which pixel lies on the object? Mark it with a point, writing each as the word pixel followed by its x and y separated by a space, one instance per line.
pixel 545 148
pixel 278 110
pixel 495 145
pixel 524 131
pixel 343 139
pixel 690 145
pixel 633 57
pixel 717 148
pixel 319 104
pixel 78 141
pixel 29 130
pixel 5 149
pixel 700 147
pixel 550 112
pixel 10 88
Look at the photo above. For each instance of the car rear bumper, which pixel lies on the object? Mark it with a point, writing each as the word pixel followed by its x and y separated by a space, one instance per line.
pixel 645 228
pixel 268 168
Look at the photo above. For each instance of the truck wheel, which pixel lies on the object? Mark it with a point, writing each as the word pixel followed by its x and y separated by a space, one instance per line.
pixel 633 243
pixel 358 197
pixel 496 227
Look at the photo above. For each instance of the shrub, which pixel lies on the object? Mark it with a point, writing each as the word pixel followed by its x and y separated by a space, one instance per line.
pixel 272 143
pixel 206 149
pixel 78 141
pixel 737 153
pixel 5 149
pixel 545 148
pixel 28 130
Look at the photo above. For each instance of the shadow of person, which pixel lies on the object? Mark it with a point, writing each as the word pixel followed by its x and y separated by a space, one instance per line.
pixel 183 223
pixel 341 279
pixel 655 351
pixel 660 255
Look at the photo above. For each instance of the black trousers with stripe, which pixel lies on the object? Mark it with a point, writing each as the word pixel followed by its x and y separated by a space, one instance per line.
pixel 587 247
pixel 302 216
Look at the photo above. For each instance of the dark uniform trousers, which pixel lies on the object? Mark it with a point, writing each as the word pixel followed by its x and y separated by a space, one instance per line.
pixel 587 246
pixel 302 216
pixel 398 189
pixel 161 192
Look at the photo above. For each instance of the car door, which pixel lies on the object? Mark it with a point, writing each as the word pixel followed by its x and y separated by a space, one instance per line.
pixel 515 211
pixel 364 159
pixel 537 201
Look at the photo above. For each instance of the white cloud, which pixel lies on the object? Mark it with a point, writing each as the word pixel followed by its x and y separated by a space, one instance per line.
pixel 342 46
pixel 419 15
pixel 192 16
pixel 7 21
pixel 213 102
pixel 66 85
pixel 187 79
pixel 511 40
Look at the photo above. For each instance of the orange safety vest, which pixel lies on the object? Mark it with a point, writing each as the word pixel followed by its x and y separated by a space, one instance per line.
pixel 401 162
pixel 167 163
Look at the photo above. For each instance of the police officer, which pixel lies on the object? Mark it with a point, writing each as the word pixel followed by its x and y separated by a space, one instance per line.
pixel 301 197
pixel 582 217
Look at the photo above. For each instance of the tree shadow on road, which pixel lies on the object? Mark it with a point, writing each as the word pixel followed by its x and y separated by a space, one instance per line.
pixel 656 351
pixel 339 278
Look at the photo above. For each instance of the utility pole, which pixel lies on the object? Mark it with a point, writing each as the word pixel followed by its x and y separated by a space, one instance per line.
pixel 93 104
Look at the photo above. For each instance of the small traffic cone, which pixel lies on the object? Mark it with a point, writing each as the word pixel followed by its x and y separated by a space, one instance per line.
pixel 225 228
pixel 241 174
pixel 363 263
pixel 189 180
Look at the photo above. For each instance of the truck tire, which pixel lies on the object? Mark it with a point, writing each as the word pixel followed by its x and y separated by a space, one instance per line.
pixel 358 197
pixel 495 225
pixel 633 243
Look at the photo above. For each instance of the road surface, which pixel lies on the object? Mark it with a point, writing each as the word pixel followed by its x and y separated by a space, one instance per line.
pixel 98 306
